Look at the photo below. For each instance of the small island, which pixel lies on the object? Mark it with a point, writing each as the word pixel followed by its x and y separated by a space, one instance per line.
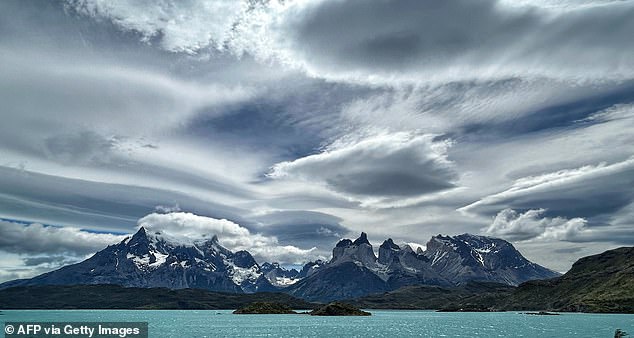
pixel 338 309
pixel 260 308
pixel 541 313
pixel 332 309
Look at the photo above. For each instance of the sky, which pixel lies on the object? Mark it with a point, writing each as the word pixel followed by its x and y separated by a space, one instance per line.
pixel 286 125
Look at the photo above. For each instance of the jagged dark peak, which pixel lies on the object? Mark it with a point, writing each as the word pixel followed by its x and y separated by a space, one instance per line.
pixel 389 244
pixel 466 237
pixel 407 248
pixel 243 259
pixel 442 238
pixel 269 266
pixel 468 240
pixel 213 246
pixel 344 243
pixel 419 251
pixel 139 240
pixel 140 234
pixel 311 267
pixel 363 239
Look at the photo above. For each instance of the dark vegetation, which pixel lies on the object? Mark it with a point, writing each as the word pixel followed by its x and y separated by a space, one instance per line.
pixel 265 308
pixel 338 309
pixel 422 297
pixel 117 297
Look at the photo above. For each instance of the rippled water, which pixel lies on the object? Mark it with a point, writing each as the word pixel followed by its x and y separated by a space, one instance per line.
pixel 382 323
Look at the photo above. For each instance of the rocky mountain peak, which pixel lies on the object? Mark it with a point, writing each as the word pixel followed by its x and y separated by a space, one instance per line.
pixel 388 252
pixel 363 239
pixel 472 257
pixel 311 267
pixel 139 236
pixel 243 259
pixel 280 276
pixel 360 251
pixel 407 248
pixel 343 243
pixel 152 258
pixel 389 244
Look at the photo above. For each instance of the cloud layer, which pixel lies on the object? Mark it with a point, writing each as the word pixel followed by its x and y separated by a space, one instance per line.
pixel 300 122
pixel 39 239
pixel 181 26
pixel 187 227
pixel 407 39
pixel 589 190
pixel 394 165
pixel 532 225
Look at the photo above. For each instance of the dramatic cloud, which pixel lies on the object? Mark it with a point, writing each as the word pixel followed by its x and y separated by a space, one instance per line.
pixel 182 26
pixel 84 147
pixel 587 191
pixel 410 39
pixel 304 229
pixel 108 96
pixel 386 165
pixel 532 225
pixel 39 239
pixel 300 122
pixel 406 39
pixel 187 227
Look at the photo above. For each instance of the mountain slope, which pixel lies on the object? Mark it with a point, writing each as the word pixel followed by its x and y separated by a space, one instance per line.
pixel 278 275
pixel 340 281
pixel 355 271
pixel 156 260
pixel 469 257
pixel 598 283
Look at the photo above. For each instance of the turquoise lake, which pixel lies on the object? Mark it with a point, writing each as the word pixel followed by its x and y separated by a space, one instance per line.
pixel 382 323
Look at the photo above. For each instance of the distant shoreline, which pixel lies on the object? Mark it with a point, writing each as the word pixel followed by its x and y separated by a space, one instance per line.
pixel 113 297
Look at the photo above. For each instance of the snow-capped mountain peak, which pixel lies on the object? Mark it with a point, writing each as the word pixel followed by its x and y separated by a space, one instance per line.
pixel 472 257
pixel 154 258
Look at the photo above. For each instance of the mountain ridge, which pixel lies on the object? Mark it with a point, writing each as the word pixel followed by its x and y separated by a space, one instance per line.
pixel 155 259
pixel 602 283
pixel 448 261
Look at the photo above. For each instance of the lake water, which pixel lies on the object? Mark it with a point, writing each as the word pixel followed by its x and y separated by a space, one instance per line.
pixel 382 323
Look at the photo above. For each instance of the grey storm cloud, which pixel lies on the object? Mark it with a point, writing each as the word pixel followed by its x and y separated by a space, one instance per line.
pixel 307 121
pixel 462 39
pixel 83 147
pixel 582 192
pixel 405 38
pixel 379 166
pixel 57 260
pixel 303 228
pixel 39 239
pixel 60 200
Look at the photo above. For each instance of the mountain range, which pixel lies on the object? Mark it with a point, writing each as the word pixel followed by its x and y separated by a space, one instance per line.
pixel 154 259
pixel 354 270
pixel 599 283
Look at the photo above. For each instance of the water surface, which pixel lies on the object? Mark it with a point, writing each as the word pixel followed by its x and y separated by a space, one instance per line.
pixel 382 323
